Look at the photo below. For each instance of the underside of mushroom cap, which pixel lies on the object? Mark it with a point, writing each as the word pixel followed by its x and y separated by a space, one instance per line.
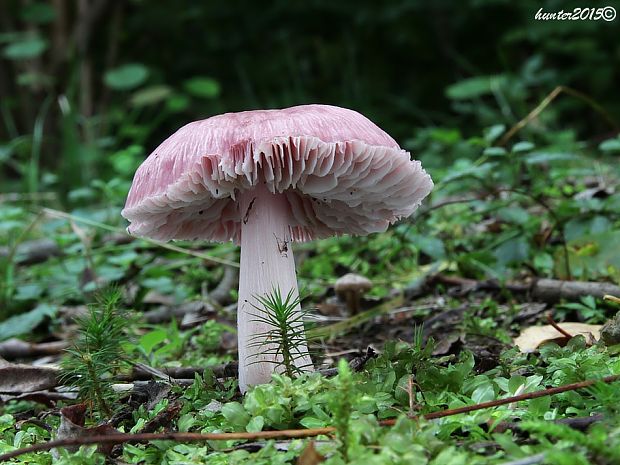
pixel 339 172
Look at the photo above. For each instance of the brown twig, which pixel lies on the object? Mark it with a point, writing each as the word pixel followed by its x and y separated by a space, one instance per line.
pixel 291 433
pixel 557 327
pixel 545 103
pixel 180 437
pixel 509 400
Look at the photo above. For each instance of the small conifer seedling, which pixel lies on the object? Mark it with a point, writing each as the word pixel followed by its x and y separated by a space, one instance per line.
pixel 284 344
pixel 97 353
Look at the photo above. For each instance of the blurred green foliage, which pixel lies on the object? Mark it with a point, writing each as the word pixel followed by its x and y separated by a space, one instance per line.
pixel 88 89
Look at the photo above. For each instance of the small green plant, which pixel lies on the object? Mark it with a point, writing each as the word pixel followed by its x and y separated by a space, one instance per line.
pixel 417 341
pixel 163 342
pixel 210 334
pixel 287 334
pixel 587 309
pixel 342 406
pixel 572 444
pixel 98 352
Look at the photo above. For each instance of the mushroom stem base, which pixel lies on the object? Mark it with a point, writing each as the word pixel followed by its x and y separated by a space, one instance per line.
pixel 267 263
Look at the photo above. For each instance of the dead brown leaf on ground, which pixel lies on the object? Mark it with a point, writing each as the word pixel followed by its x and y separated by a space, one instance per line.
pixel 533 337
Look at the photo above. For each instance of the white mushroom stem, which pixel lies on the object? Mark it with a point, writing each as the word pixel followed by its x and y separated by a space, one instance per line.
pixel 266 263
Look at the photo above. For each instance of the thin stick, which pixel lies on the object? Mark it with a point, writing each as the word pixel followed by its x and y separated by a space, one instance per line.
pixel 60 214
pixel 444 203
pixel 180 437
pixel 509 400
pixel 545 103
pixel 557 327
pixel 290 433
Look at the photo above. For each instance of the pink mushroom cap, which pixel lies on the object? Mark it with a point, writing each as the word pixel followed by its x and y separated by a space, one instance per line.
pixel 339 171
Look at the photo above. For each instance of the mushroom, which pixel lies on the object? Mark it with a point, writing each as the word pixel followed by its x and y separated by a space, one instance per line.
pixel 350 288
pixel 265 179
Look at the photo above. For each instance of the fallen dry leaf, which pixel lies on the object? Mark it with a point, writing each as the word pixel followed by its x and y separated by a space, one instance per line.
pixel 17 378
pixel 72 420
pixel 310 456
pixel 531 338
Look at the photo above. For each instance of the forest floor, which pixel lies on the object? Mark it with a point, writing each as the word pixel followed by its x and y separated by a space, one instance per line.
pixel 105 336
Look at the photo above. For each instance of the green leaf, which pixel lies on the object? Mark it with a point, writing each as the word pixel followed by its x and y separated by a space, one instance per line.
pixel 28 292
pixel 431 246
pixel 501 383
pixel 515 382
pixel 203 87
pixel 591 257
pixel 311 422
pixel 544 262
pixel 471 384
pixel 177 103
pixel 494 151
pixel 126 77
pixel 447 136
pixel 25 322
pixel 150 96
pixel 451 456
pixel 475 87
pixel 483 393
pixel 581 227
pixel 124 258
pixel 539 406
pixel 126 161
pixel 516 215
pixel 235 414
pixel 464 168
pixel 522 146
pixel 535 158
pixel 6 151
pixel 24 49
pixel 532 382
pixel 152 339
pixel 512 251
pixel 610 145
pixel 185 422
pixel 493 132
pixel 255 425
pixel 34 79
pixel 163 284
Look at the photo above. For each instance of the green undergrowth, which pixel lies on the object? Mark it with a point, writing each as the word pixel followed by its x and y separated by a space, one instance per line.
pixel 543 206
pixel 355 403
